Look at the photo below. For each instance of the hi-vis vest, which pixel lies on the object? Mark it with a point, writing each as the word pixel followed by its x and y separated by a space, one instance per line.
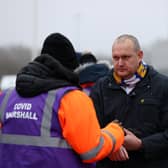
pixel 31 136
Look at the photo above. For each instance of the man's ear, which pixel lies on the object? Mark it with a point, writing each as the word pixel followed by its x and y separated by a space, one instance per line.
pixel 140 54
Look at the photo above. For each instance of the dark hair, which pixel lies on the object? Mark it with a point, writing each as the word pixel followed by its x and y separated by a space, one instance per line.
pixel 87 58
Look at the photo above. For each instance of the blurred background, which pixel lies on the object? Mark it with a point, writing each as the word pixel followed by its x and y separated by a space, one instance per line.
pixel 91 25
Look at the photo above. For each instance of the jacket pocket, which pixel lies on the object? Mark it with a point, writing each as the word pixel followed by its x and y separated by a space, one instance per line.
pixel 149 101
pixel 149 115
pixel 149 109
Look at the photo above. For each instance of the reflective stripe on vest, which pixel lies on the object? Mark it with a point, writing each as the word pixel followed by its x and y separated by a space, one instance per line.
pixel 112 137
pixel 46 121
pixel 3 105
pixel 4 102
pixel 92 153
pixel 33 141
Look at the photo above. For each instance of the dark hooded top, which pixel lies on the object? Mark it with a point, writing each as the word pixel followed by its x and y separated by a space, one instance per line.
pixel 43 74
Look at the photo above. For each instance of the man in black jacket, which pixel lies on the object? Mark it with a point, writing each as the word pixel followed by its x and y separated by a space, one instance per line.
pixel 136 95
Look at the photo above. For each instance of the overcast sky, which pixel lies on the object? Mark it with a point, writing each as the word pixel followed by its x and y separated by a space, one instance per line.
pixel 89 24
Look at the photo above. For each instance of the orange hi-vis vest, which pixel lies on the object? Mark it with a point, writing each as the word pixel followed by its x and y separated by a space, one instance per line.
pixel 81 129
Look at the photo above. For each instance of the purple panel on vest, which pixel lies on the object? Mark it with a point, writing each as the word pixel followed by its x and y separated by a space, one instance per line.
pixel 18 156
pixel 24 115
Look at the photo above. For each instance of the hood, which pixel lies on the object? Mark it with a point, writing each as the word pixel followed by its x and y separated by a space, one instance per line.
pixel 43 74
pixel 91 72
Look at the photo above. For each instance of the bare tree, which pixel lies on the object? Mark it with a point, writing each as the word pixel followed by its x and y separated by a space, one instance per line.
pixel 13 58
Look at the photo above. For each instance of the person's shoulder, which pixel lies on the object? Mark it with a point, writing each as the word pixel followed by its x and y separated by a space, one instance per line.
pixel 77 99
pixel 155 72
pixel 105 63
pixel 106 77
pixel 102 83
pixel 156 75
pixel 76 95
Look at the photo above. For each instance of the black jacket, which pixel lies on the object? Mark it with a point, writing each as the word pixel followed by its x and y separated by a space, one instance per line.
pixel 144 111
pixel 43 74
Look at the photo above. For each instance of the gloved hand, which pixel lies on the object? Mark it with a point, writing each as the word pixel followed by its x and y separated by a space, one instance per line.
pixel 120 124
pixel 117 122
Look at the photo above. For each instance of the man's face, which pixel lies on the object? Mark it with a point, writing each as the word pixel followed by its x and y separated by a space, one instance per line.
pixel 125 59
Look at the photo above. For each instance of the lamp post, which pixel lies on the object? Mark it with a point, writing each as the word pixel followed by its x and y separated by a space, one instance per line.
pixel 35 29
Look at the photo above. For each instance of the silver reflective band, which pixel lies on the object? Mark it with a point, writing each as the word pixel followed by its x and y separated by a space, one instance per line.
pixel 33 141
pixel 92 153
pixel 3 105
pixel 112 137
pixel 47 116
pixel 4 102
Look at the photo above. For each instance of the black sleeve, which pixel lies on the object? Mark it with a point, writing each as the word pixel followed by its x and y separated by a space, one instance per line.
pixel 97 101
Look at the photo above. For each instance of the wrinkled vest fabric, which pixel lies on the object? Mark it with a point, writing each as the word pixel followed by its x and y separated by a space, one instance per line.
pixel 31 136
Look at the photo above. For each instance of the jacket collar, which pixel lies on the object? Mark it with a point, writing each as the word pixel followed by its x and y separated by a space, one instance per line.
pixel 145 81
